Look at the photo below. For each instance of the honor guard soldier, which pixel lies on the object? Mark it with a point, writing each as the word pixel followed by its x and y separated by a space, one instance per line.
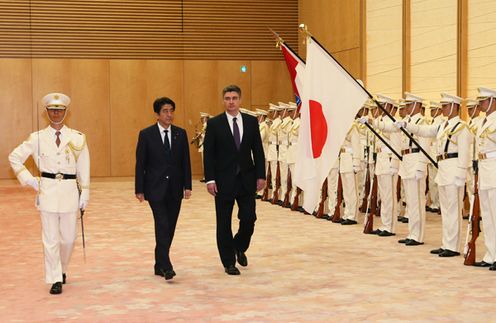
pixel 292 152
pixel 386 170
pixel 272 156
pixel 263 127
pixel 349 166
pixel 283 141
pixel 201 135
pixel 436 119
pixel 62 158
pixel 453 157
pixel 486 147
pixel 413 171
pixel 475 121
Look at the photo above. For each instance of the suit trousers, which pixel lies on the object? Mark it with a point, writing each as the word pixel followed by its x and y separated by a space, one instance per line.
pixel 488 214
pixel 386 185
pixel 59 232
pixel 450 197
pixel 165 215
pixel 415 201
pixel 226 243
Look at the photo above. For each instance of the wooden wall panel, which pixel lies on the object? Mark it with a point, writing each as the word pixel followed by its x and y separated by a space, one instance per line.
pixel 336 25
pixel 90 109
pixel 129 113
pixel 15 104
pixel 270 83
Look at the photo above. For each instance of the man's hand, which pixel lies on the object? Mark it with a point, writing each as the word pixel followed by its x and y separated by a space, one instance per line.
pixel 187 194
pixel 212 188
pixel 33 182
pixel 260 184
pixel 140 197
pixel 83 204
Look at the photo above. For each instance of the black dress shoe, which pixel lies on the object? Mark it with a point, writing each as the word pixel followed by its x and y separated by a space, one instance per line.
pixel 56 288
pixel 232 270
pixel 386 234
pixel 348 222
pixel 404 220
pixel 241 257
pixel 437 251
pixel 413 243
pixel 63 278
pixel 449 253
pixel 482 264
pixel 493 266
pixel 169 274
pixel 435 210
pixel 428 209
pixel 376 231
pixel 465 217
pixel 404 240
pixel 159 272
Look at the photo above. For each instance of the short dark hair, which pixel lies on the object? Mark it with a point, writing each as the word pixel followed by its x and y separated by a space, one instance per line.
pixel 231 88
pixel 160 102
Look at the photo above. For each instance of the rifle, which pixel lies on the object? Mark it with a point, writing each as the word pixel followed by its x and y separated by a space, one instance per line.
pixel 369 216
pixel 296 201
pixel 398 189
pixel 275 196
pixel 323 197
pixel 474 222
pixel 287 203
pixel 336 217
pixel 265 195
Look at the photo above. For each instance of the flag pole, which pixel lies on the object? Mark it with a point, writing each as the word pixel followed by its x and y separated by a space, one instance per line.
pixel 303 29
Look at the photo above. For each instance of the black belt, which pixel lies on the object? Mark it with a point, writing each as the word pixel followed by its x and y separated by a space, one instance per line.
pixel 447 156
pixel 410 151
pixel 58 176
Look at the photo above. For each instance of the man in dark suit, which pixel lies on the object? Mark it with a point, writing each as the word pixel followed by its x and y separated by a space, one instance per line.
pixel 234 164
pixel 163 178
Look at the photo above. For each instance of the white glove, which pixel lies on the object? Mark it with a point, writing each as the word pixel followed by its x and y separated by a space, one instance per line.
pixel 83 203
pixel 400 124
pixel 459 182
pixel 393 171
pixel 33 182
pixel 419 174
pixel 356 169
pixel 363 120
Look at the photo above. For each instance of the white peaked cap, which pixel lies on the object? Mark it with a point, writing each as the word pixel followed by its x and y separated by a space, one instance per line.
pixel 252 113
pixel 449 98
pixel 485 92
pixel 243 110
pixel 204 114
pixel 261 112
pixel 434 105
pixel 412 98
pixel 56 101
pixel 293 104
pixel 384 99
pixel 273 107
pixel 471 103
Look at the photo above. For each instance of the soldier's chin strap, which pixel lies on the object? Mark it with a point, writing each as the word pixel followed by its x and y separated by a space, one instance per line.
pixel 61 121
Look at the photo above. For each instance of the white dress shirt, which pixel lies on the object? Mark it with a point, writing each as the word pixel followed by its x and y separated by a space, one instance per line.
pixel 162 134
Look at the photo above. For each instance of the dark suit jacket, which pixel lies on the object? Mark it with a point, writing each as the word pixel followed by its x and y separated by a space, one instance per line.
pixel 157 175
pixel 222 159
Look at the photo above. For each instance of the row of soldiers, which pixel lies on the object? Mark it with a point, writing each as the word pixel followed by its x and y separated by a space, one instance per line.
pixel 410 159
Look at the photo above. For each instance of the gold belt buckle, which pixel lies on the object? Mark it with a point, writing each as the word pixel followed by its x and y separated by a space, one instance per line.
pixel 482 156
pixel 59 176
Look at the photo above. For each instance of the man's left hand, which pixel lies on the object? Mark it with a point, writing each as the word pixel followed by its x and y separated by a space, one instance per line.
pixel 187 194
pixel 260 184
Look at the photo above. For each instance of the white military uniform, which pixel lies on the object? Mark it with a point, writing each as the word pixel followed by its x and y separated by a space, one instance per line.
pixel 433 187
pixel 272 156
pixel 283 141
pixel 386 169
pixel 453 154
pixel 350 158
pixel 58 199
pixel 291 157
pixel 473 126
pixel 486 146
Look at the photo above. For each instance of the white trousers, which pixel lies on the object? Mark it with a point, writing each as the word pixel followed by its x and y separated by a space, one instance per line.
pixel 386 185
pixel 488 214
pixel 332 189
pixel 433 187
pixel 283 168
pixel 415 201
pixel 273 172
pixel 450 198
pixel 59 231
pixel 350 196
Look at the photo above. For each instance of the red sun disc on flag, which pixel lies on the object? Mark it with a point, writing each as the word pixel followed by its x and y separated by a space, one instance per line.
pixel 318 128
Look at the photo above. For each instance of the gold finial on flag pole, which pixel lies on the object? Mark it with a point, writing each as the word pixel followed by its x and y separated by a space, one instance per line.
pixel 304 29
pixel 279 39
